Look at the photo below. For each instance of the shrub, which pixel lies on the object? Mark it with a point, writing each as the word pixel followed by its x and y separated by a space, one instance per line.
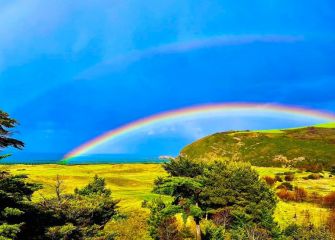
pixel 285 195
pixel 315 197
pixel 314 168
pixel 278 178
pixel 285 185
pixel 269 180
pixel 332 169
pixel 331 221
pixel 308 231
pixel 313 176
pixel 329 200
pixel 289 177
pixel 300 194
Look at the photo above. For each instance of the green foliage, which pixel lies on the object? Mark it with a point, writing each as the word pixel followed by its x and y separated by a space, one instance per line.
pixel 95 188
pixel 18 216
pixel 179 187
pixel 83 214
pixel 235 187
pixel 311 148
pixel 213 231
pixel 67 231
pixel 10 231
pixel 183 167
pixel 238 187
pixel 307 232
pixel 251 231
pixel 285 185
pixel 11 212
pixel 159 212
pixel 7 123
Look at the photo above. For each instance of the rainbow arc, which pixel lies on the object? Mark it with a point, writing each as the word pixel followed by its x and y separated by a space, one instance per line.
pixel 189 112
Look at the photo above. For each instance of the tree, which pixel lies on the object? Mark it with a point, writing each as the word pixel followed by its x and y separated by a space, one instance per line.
pixel 19 217
pixel 185 186
pixel 82 215
pixel 94 188
pixel 230 193
pixel 6 123
pixel 237 187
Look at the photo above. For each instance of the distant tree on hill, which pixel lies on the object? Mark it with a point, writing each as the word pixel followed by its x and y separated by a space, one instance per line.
pixel 6 123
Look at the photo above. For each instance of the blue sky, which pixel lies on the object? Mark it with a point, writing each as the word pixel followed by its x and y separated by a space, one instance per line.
pixel 70 71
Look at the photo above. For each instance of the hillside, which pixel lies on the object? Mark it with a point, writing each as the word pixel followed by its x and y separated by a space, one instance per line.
pixel 310 147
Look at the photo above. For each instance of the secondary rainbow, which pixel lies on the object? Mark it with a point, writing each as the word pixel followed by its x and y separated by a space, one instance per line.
pixel 189 111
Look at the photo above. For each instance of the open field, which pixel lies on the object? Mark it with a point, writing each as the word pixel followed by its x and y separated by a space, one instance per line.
pixel 132 183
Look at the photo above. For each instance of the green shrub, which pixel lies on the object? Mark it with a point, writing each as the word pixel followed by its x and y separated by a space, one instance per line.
pixel 285 185
pixel 289 177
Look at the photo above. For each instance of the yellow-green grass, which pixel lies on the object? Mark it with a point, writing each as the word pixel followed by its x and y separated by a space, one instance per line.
pixel 132 183
pixel 300 213
pixel 321 125
pixel 326 125
pixel 322 186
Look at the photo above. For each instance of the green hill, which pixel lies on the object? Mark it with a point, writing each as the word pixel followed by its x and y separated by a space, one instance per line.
pixel 309 147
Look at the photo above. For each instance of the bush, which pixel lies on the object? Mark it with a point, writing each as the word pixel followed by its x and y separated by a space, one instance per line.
pixel 297 195
pixel 332 169
pixel 269 180
pixel 285 195
pixel 278 178
pixel 307 232
pixel 300 194
pixel 289 177
pixel 315 197
pixel 313 176
pixel 329 200
pixel 285 185
pixel 314 168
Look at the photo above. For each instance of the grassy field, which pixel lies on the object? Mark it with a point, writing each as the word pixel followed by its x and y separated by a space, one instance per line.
pixel 132 183
pixel 288 212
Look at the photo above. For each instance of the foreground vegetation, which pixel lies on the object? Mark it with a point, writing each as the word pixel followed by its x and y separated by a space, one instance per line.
pixel 132 184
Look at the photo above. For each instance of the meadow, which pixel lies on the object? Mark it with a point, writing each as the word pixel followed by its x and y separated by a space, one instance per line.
pixel 132 183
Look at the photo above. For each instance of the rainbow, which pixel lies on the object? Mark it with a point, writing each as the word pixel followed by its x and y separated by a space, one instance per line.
pixel 189 112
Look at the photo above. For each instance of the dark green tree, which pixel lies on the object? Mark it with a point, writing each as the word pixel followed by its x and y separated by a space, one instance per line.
pixel 97 187
pixel 230 192
pixel 236 187
pixel 6 124
pixel 184 185
pixel 19 217
pixel 81 215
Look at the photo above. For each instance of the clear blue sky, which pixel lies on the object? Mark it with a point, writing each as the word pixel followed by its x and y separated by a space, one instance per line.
pixel 71 70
